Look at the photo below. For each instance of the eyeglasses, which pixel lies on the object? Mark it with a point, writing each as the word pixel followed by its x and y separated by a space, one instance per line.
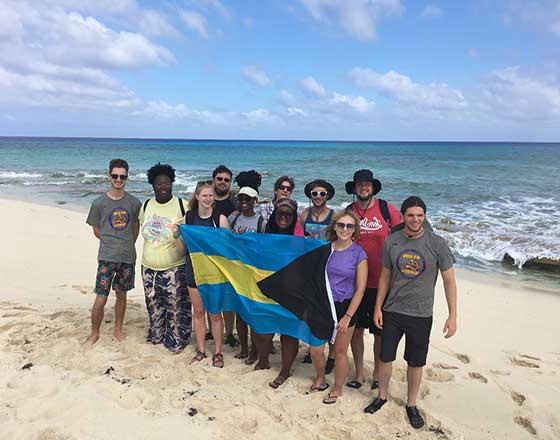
pixel 285 188
pixel 349 226
pixel 318 193
pixel 286 215
pixel 244 198
pixel 119 176
pixel 223 179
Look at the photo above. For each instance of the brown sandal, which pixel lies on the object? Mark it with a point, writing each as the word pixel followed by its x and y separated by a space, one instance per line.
pixel 218 360
pixel 198 356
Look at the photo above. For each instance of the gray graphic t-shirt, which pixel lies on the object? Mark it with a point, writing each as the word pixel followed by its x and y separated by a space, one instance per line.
pixel 414 265
pixel 115 219
pixel 241 224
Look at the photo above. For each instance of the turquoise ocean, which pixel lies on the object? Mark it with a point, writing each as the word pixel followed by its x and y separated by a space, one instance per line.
pixel 487 199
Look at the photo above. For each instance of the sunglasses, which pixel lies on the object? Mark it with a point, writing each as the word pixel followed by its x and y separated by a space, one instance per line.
pixel 223 179
pixel 285 188
pixel 286 215
pixel 318 193
pixel 349 226
pixel 119 176
pixel 244 198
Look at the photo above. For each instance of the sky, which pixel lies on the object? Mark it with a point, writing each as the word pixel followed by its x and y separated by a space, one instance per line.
pixel 472 70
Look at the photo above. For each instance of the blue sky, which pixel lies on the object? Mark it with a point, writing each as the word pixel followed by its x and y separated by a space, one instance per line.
pixel 291 69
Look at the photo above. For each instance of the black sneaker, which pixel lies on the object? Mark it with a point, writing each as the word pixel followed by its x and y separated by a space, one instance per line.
pixel 414 417
pixel 231 341
pixel 375 405
pixel 329 366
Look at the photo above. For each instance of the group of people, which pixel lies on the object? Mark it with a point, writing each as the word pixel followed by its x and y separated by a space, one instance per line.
pixel 381 273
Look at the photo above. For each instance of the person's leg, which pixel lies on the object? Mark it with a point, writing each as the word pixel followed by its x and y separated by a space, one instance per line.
pixel 340 350
pixel 178 310
pixel 357 344
pixel 318 361
pixel 414 378
pixel 199 317
pixel 217 324
pixel 385 372
pixel 376 351
pixel 290 347
pixel 120 309
pixel 229 323
pixel 243 333
pixel 122 283
pixel 262 343
pixel 97 312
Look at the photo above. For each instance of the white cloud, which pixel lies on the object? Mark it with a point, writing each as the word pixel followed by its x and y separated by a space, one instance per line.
pixel 256 75
pixel 434 96
pixel 431 11
pixel 262 116
pixel 195 22
pixel 163 110
pixel 311 86
pixel 318 100
pixel 295 111
pixel 513 94
pixel 356 103
pixel 359 18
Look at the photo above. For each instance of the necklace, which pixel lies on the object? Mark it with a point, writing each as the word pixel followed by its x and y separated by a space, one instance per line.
pixel 361 212
pixel 316 216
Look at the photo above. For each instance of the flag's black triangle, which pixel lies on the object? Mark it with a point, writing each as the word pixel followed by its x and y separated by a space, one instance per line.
pixel 300 287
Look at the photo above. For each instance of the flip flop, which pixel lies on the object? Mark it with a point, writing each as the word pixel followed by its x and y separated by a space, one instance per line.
pixel 241 356
pixel 323 387
pixel 330 399
pixel 354 384
pixel 278 382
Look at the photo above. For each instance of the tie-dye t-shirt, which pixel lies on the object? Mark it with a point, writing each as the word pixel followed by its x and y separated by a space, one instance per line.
pixel 160 252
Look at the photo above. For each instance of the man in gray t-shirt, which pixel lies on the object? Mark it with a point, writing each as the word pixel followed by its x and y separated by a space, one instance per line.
pixel 114 219
pixel 411 259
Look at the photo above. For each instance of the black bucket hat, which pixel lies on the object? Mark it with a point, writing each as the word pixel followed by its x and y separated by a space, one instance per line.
pixel 319 182
pixel 363 176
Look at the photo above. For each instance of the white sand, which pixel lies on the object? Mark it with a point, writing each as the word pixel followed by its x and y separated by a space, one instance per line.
pixel 497 378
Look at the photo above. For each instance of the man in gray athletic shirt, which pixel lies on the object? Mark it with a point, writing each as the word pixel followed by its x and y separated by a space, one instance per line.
pixel 411 259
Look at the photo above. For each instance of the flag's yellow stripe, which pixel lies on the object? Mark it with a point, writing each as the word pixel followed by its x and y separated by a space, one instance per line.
pixel 215 269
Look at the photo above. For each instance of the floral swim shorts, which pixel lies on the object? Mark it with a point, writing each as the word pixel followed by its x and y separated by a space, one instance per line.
pixel 119 276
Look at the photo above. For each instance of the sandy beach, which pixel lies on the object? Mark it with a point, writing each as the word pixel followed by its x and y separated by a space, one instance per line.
pixel 498 378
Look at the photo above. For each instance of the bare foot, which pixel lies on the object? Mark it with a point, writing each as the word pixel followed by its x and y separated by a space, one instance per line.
pixel 91 340
pixel 119 335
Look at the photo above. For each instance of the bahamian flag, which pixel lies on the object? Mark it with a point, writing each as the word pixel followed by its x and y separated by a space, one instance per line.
pixel 277 283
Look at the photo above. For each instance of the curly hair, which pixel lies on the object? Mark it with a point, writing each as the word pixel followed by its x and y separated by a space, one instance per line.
pixel 249 178
pixel 160 169
pixel 331 233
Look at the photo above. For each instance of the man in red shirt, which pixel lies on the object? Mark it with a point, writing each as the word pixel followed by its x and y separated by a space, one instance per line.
pixel 377 217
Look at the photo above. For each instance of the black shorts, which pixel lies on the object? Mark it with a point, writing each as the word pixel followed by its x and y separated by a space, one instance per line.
pixel 341 309
pixel 189 272
pixel 364 314
pixel 417 331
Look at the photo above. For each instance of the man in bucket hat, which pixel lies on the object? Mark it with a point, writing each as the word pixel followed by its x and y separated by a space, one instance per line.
pixel 377 217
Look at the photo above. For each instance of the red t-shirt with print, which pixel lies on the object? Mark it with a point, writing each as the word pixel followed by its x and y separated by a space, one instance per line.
pixel 373 230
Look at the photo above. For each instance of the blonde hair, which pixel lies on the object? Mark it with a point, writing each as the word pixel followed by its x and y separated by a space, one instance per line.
pixel 331 233
pixel 193 202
